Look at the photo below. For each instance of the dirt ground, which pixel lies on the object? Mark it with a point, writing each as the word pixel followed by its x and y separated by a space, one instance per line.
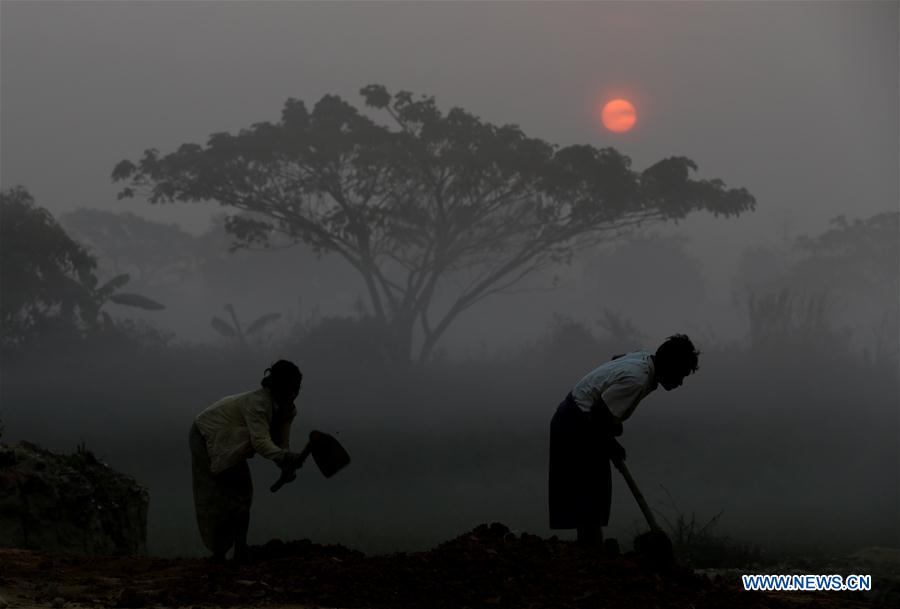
pixel 488 567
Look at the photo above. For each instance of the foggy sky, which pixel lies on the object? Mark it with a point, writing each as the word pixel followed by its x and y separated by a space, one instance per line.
pixel 798 102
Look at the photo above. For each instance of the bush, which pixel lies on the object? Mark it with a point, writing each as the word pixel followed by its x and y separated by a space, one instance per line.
pixel 698 545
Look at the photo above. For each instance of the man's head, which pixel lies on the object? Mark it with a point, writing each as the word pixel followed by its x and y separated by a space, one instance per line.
pixel 675 359
pixel 283 379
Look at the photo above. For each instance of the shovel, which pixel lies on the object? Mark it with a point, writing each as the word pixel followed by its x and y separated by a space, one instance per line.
pixel 328 454
pixel 655 545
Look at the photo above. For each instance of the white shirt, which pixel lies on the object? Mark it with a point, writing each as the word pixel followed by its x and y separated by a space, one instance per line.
pixel 239 426
pixel 621 383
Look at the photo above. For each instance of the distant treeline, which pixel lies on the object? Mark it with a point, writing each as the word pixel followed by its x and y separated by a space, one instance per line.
pixel 791 429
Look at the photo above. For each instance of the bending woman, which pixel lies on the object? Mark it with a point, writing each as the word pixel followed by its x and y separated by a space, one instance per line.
pixel 223 437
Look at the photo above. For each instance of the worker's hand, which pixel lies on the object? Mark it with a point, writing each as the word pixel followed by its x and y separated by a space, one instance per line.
pixel 292 461
pixel 616 450
pixel 287 475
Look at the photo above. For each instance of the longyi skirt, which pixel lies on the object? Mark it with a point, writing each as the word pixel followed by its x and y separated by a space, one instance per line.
pixel 580 482
pixel 220 500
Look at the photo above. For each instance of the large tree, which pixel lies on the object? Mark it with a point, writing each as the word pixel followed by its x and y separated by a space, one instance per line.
pixel 424 202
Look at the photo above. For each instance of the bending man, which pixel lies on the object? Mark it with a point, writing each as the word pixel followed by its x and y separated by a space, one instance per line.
pixel 583 430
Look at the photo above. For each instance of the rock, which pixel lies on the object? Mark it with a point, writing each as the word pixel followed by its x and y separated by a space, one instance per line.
pixel 68 503
pixel 3 603
pixel 58 602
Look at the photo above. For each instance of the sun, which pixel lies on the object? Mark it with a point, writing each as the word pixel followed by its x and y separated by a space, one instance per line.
pixel 618 115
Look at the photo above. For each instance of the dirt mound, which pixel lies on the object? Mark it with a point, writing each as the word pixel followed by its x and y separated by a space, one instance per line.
pixel 488 567
pixel 68 503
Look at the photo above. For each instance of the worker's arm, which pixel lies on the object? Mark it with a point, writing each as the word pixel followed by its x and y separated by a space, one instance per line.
pixel 606 426
pixel 255 413
pixel 605 419
pixel 281 426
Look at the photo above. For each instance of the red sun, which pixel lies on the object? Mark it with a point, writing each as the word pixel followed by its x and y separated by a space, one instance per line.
pixel 618 115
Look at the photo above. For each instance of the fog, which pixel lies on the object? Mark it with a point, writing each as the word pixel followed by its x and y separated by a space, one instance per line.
pixel 791 426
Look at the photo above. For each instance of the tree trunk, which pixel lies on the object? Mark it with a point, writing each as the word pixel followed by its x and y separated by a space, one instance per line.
pixel 400 336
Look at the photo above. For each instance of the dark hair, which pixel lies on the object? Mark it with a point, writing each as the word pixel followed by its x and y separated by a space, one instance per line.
pixel 678 353
pixel 281 376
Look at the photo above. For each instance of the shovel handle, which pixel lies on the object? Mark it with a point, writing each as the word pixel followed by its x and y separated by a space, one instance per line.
pixel 638 496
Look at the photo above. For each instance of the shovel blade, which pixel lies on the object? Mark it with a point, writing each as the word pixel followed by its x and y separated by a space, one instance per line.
pixel 330 457
pixel 655 549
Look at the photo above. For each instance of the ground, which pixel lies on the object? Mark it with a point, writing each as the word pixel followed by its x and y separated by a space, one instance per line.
pixel 488 567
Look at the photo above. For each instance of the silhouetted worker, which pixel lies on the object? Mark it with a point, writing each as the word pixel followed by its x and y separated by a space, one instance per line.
pixel 582 431
pixel 223 437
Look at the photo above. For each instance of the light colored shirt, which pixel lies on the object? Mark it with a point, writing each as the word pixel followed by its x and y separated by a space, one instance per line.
pixel 239 426
pixel 621 383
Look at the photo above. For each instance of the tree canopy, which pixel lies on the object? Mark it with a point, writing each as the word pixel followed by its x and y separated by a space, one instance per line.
pixel 150 252
pixel 424 202
pixel 857 263
pixel 44 273
pixel 859 253
pixel 48 279
pixel 837 288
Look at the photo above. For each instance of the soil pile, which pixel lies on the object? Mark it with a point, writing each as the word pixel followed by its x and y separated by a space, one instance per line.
pixel 488 567
pixel 68 503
